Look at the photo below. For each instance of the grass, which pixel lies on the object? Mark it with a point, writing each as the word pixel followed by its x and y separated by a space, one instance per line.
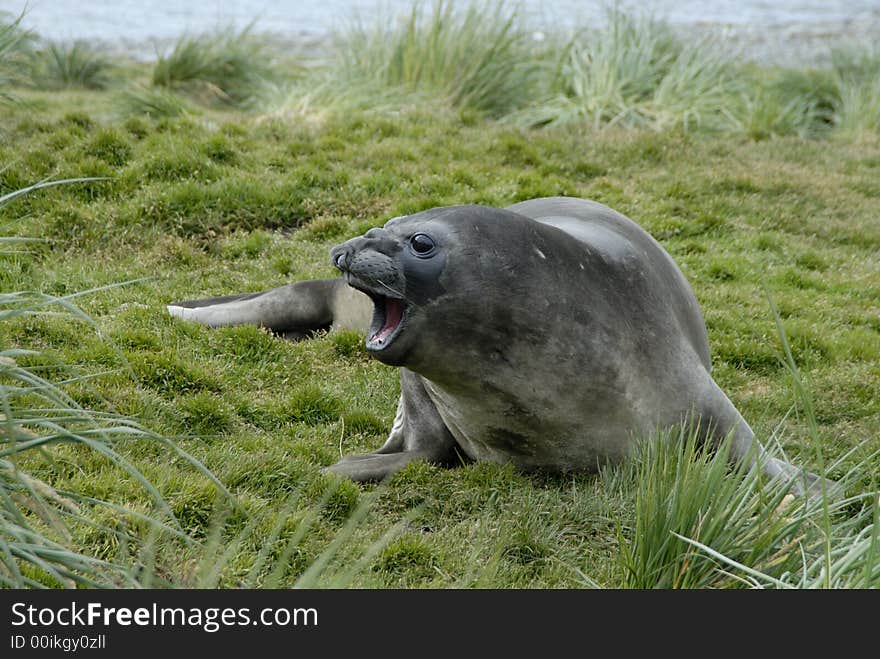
pixel 71 65
pixel 152 102
pixel 15 49
pixel 39 520
pixel 481 60
pixel 636 72
pixel 51 537
pixel 768 190
pixel 700 523
pixel 475 57
pixel 226 67
pixel 763 112
pixel 697 525
pixel 633 72
pixel 856 75
pixel 209 205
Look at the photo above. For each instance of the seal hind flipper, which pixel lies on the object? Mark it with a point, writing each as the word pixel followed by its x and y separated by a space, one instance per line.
pixel 293 311
pixel 725 419
pixel 211 301
pixel 805 483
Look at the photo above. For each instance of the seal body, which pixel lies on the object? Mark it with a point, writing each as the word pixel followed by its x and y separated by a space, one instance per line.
pixel 552 334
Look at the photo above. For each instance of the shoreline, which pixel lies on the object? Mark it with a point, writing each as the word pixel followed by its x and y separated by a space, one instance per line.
pixel 794 44
pixel 788 44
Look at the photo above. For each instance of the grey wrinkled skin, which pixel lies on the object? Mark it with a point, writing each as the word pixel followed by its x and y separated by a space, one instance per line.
pixel 551 335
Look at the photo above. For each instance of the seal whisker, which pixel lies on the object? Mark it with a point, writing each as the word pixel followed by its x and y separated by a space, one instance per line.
pixel 396 292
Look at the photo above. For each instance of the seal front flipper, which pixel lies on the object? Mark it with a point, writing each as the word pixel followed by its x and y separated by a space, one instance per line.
pixel 418 433
pixel 294 310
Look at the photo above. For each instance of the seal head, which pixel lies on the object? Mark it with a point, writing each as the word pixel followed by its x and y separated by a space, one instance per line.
pixel 400 267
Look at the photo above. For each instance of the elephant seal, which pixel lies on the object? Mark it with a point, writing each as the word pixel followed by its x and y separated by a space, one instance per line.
pixel 551 335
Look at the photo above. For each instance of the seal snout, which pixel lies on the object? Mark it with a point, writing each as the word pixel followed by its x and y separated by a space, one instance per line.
pixel 369 265
pixel 339 260
pixel 374 244
pixel 339 256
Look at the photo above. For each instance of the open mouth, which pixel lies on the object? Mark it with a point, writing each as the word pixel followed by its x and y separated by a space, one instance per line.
pixel 389 314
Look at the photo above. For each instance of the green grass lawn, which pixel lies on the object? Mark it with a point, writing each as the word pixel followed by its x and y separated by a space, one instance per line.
pixel 226 202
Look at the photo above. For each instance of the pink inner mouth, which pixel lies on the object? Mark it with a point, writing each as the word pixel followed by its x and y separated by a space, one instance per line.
pixel 393 316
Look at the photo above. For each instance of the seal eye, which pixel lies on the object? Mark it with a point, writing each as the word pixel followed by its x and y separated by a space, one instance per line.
pixel 422 244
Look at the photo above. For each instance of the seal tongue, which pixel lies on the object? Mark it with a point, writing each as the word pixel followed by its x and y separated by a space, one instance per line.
pixel 393 314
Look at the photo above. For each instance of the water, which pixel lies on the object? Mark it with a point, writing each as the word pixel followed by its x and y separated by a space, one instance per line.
pixel 778 29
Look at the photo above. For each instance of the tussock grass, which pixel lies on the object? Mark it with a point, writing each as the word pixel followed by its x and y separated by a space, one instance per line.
pixel 42 525
pixel 482 61
pixel 840 101
pixel 38 521
pixel 857 76
pixel 701 523
pixel 227 67
pixel 71 65
pixel 858 112
pixel 153 102
pixel 474 57
pixel 632 72
pixel 762 113
pixel 635 72
pixel 15 51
